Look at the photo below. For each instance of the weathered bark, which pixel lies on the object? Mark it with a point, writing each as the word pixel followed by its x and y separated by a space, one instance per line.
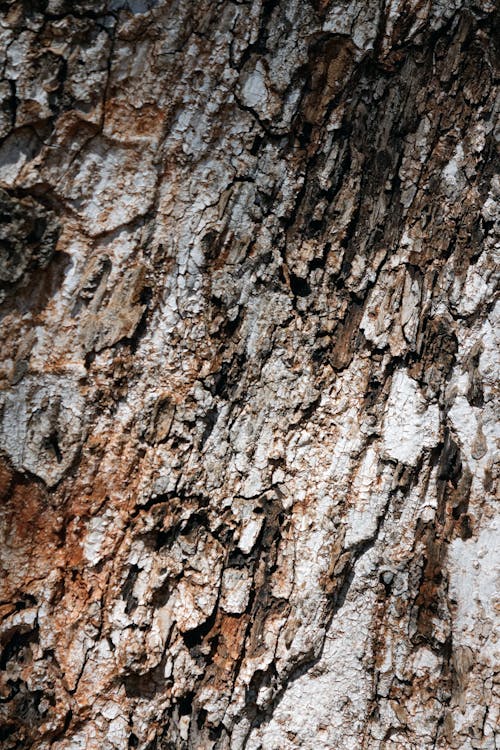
pixel 247 394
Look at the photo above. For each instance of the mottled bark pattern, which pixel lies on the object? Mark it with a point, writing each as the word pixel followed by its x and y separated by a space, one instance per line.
pixel 247 279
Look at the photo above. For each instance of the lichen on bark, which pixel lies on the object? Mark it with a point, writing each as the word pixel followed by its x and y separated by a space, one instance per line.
pixel 248 266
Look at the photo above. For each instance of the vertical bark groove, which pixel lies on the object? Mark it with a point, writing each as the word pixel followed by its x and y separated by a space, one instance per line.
pixel 248 274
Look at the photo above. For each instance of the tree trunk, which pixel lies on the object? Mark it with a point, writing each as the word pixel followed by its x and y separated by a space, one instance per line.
pixel 247 274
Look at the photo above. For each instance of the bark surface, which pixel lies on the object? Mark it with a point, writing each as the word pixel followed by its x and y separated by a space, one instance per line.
pixel 248 380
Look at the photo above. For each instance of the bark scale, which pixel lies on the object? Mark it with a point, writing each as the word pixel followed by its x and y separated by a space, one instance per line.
pixel 247 278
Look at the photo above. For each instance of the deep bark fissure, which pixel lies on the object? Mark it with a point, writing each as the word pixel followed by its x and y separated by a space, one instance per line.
pixel 247 397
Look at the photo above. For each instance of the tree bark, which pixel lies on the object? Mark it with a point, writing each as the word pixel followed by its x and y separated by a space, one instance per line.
pixel 247 278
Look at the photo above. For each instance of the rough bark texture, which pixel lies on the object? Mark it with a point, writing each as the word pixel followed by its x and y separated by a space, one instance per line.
pixel 247 272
